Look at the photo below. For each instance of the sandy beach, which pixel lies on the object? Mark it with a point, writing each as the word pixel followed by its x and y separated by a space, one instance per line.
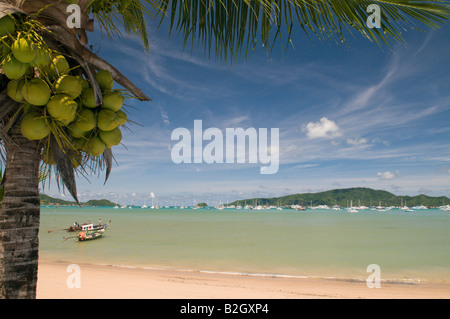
pixel 107 282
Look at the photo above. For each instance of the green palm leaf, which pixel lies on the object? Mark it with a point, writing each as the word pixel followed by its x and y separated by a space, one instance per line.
pixel 227 27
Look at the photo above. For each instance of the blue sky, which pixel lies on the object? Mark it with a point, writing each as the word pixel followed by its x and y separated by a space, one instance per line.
pixel 348 116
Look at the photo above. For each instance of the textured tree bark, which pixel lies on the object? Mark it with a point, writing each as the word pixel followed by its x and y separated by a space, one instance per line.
pixel 19 219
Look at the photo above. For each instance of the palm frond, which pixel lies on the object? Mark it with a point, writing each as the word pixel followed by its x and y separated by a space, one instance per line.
pixel 228 27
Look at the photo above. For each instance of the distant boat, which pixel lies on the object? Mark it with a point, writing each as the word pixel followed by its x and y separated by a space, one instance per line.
pixel 407 209
pixel 420 207
pixel 116 207
pixel 351 209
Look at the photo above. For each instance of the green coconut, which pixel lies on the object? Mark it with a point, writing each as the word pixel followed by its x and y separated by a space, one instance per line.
pixel 69 85
pixel 107 120
pixel 34 127
pixel 23 50
pixel 58 67
pixel 80 143
pixel 28 108
pixel 88 98
pixel 14 69
pixel 75 131
pixel 123 118
pixel 85 120
pixel 36 92
pixel 14 90
pixel 113 101
pixel 111 138
pixel 42 59
pixel 62 108
pixel 84 83
pixel 96 147
pixel 104 79
pixel 7 26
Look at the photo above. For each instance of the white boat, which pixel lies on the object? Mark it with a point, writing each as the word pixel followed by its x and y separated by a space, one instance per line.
pixel 420 207
pixel 116 207
pixel 351 209
pixel 445 208
pixel 409 210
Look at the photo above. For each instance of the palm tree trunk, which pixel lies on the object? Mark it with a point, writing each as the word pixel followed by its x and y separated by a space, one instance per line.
pixel 19 219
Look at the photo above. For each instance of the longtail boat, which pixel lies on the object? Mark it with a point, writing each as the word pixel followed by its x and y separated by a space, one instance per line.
pixel 86 235
pixel 85 226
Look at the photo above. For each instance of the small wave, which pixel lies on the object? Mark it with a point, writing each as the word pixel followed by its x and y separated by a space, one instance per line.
pixel 401 281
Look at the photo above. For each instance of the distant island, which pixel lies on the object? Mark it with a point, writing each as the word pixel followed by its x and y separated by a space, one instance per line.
pixel 359 196
pixel 48 200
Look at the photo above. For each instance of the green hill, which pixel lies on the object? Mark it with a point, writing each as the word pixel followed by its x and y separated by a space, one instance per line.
pixel 343 197
pixel 47 200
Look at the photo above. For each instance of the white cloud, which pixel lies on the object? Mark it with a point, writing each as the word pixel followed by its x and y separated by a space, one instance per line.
pixel 356 141
pixel 322 129
pixel 165 117
pixel 386 175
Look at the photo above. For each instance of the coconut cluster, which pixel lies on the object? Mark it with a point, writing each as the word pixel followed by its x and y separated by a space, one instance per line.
pixel 56 98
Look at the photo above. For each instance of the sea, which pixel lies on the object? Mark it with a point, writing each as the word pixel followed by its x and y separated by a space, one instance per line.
pixel 406 248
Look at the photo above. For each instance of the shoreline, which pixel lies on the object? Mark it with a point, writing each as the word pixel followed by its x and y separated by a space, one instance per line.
pixel 119 282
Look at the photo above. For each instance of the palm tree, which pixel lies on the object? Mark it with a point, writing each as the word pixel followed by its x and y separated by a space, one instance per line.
pixel 227 28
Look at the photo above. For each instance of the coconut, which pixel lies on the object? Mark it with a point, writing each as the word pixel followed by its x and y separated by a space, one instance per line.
pixel 69 85
pixel 42 59
pixel 111 138
pixel 34 127
pixel 113 101
pixel 28 108
pixel 14 90
pixel 80 143
pixel 88 98
pixel 14 69
pixel 122 117
pixel 75 131
pixel 104 79
pixel 107 120
pixel 58 66
pixel 62 108
pixel 23 50
pixel 84 83
pixel 85 120
pixel 96 147
pixel 36 92
pixel 7 26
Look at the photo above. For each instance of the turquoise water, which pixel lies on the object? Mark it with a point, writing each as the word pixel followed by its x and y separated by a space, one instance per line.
pixel 322 243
